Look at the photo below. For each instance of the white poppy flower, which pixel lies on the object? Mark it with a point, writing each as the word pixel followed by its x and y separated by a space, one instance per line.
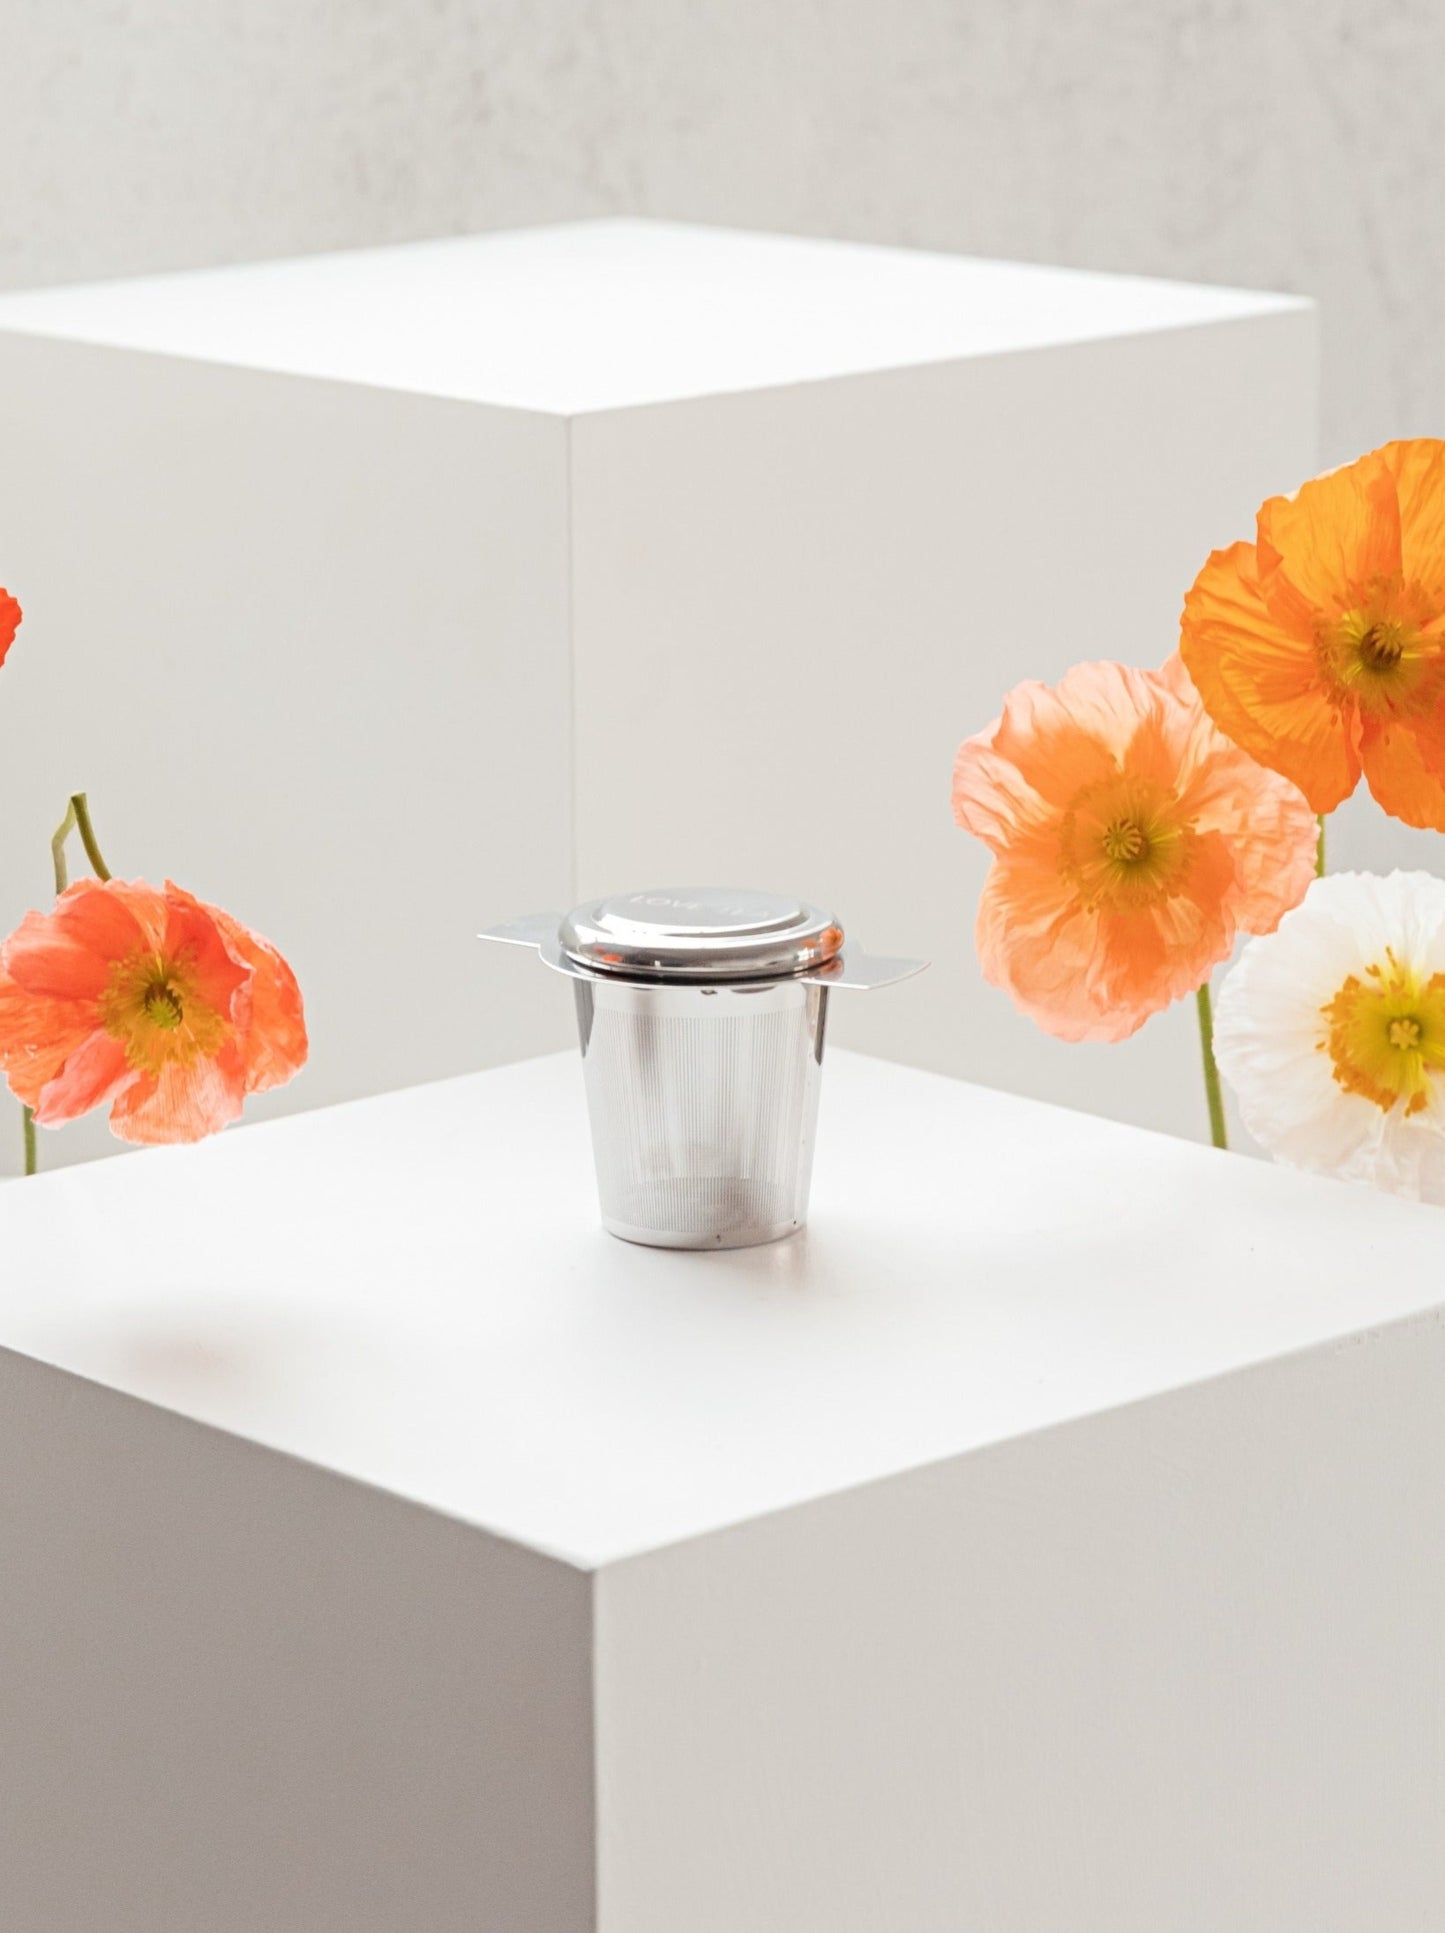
pixel 1331 1031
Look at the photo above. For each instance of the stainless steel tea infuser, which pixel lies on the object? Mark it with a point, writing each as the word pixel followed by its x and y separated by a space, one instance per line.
pixel 701 1014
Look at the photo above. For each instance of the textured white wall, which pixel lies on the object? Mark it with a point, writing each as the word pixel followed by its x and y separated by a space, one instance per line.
pixel 1291 144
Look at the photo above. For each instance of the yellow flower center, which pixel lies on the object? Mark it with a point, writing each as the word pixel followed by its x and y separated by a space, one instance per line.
pixel 1381 645
pixel 152 1005
pixel 1385 1035
pixel 1123 843
pixel 163 1007
pixel 1126 841
pixel 1373 654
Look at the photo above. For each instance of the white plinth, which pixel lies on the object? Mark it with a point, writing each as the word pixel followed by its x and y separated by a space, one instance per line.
pixel 383 595
pixel 1049 1538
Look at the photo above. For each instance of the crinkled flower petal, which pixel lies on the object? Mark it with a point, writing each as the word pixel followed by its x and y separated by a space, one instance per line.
pixel 991 797
pixel 67 953
pixel 1265 821
pixel 1418 468
pixel 38 1034
pixel 94 1074
pixel 1063 737
pixel 1260 682
pixel 1405 766
pixel 180 1104
pixel 1038 944
pixel 275 1043
pixel 1339 531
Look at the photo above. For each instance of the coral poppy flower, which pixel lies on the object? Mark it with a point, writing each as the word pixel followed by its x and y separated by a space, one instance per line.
pixel 165 1009
pixel 1320 647
pixel 10 615
pixel 1332 1033
pixel 1131 840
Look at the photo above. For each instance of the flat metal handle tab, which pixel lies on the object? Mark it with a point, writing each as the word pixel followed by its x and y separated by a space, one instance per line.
pixel 859 971
pixel 535 929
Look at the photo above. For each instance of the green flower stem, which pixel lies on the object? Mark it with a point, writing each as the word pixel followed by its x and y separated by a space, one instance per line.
pixel 77 819
pixel 57 848
pixel 1212 1090
pixel 80 806
pixel 1320 850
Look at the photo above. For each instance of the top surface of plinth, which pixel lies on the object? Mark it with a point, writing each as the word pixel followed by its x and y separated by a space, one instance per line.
pixel 414 1291
pixel 613 314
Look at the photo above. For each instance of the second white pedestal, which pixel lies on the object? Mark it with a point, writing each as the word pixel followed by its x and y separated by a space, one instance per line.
pixel 380 596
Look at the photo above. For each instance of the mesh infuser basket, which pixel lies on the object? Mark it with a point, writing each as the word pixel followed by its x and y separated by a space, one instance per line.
pixel 701 1014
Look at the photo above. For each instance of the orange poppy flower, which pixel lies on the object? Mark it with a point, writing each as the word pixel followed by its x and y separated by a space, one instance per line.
pixel 10 615
pixel 1320 647
pixel 165 1009
pixel 1131 842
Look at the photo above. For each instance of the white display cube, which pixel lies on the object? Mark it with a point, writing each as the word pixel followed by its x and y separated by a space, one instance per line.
pixel 382 595
pixel 1047 1538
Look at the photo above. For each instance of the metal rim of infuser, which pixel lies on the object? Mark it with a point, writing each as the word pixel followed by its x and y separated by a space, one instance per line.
pixel 701 934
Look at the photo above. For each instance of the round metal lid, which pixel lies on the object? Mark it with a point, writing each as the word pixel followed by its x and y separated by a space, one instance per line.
pixel 700 933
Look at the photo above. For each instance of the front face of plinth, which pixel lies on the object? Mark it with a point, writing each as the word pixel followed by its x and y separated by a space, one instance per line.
pixel 1177 1666
pixel 305 646
pixel 238 1692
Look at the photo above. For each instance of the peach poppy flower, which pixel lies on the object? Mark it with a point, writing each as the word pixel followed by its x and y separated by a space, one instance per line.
pixel 161 1007
pixel 10 615
pixel 1131 842
pixel 1320 647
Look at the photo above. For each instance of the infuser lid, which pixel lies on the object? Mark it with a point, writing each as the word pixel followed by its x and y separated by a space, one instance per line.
pixel 700 933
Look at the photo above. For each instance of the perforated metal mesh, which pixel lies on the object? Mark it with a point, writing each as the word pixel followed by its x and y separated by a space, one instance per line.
pixel 703 1106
